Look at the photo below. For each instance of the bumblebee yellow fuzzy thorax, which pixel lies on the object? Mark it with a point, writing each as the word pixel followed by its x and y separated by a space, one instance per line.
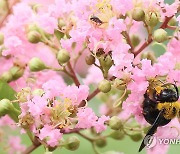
pixel 171 109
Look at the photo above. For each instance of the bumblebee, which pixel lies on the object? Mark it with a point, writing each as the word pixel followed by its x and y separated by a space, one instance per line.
pixel 160 106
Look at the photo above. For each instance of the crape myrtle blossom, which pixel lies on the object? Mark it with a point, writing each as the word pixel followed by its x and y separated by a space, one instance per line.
pixel 60 54
pixel 53 110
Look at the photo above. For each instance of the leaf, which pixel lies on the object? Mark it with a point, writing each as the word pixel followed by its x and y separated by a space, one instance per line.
pixel 6 91
pixel 58 34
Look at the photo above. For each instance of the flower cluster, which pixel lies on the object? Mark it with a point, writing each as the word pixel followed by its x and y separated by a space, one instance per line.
pixel 56 56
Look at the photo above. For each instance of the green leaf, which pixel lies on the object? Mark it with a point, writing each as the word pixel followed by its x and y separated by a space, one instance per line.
pixel 7 92
pixel 58 34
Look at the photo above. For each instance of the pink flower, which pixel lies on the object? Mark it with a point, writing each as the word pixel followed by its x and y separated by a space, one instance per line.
pixel 99 126
pixel 15 145
pixel 122 6
pixel 94 76
pixel 37 106
pixel 76 94
pixel 86 118
pixel 48 23
pixel 51 135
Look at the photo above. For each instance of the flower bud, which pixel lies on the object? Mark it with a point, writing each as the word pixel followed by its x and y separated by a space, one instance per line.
pixel 5 107
pixel 34 37
pixel 138 14
pixel 16 72
pixel 106 62
pixel 90 59
pixel 101 142
pixel 152 19
pixel 63 56
pixel 1 38
pixel 104 86
pixel 117 135
pixel 72 143
pixel 36 64
pixel 61 23
pixel 135 40
pixel 136 137
pixel 115 123
pixel 160 35
pixel 112 152
pixel 172 22
pixel 6 76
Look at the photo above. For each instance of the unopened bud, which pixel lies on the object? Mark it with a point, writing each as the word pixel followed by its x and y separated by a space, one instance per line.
pixel 138 14
pixel 90 59
pixel 117 135
pixel 136 137
pixel 61 23
pixel 112 152
pixel 6 76
pixel 152 19
pixel 101 142
pixel 72 143
pixel 1 38
pixel 115 123
pixel 104 86
pixel 34 37
pixel 63 56
pixel 106 62
pixel 36 64
pixel 5 107
pixel 172 22
pixel 135 40
pixel 16 72
pixel 160 35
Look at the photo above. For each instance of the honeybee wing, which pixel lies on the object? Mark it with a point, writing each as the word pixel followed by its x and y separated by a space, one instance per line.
pixel 152 130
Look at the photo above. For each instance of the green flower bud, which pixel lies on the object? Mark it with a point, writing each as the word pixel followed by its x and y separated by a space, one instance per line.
pixel 104 86
pixel 61 23
pixel 38 92
pixel 136 137
pixel 36 64
pixel 72 143
pixel 5 107
pixel 172 22
pixel 152 19
pixel 106 62
pixel 160 35
pixel 135 40
pixel 16 72
pixel 6 76
pixel 63 56
pixel 138 14
pixel 115 123
pixel 1 38
pixel 117 135
pixel 34 37
pixel 90 59
pixel 101 142
pixel 32 27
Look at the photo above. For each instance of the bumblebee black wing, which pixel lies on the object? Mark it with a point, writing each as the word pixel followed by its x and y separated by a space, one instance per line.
pixel 153 129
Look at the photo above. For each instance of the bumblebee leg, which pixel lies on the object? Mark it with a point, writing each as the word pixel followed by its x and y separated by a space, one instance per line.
pixel 152 130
